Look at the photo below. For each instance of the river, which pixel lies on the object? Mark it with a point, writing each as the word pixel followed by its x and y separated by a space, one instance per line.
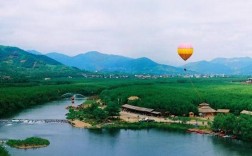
pixel 68 141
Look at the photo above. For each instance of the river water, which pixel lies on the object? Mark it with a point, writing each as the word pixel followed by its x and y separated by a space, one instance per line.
pixel 68 141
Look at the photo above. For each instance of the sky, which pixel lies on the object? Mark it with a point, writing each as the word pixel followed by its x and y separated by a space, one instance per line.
pixel 132 28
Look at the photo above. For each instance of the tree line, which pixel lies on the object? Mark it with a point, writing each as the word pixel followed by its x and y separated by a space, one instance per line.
pixel 180 97
pixel 240 126
pixel 14 99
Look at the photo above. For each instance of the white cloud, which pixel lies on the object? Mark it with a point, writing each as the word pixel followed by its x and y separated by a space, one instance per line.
pixel 131 28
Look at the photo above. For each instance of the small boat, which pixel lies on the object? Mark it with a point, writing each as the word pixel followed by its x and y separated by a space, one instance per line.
pixel 226 136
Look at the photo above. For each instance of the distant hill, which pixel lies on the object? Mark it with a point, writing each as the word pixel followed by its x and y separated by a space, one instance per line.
pixel 96 61
pixel 17 63
pixel 34 52
pixel 230 66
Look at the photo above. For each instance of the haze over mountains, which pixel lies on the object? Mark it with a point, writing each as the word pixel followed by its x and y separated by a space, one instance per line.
pixel 17 61
pixel 229 66
pixel 96 61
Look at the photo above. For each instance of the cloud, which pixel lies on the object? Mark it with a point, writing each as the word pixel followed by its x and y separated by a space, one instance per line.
pixel 128 27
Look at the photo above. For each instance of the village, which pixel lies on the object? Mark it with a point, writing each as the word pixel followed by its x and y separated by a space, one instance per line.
pixel 133 114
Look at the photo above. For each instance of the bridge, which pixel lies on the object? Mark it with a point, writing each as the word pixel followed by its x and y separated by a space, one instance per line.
pixel 75 95
pixel 30 121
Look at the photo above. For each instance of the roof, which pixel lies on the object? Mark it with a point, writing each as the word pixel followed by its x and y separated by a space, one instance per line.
pixel 133 98
pixel 206 109
pixel 141 109
pixel 203 104
pixel 246 112
pixel 223 110
pixel 155 112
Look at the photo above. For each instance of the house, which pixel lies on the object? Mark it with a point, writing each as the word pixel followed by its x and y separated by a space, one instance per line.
pixel 246 112
pixel 222 111
pixel 249 80
pixel 205 110
pixel 133 98
pixel 140 110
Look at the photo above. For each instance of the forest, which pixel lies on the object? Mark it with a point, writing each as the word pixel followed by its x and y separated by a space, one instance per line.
pixel 181 96
pixel 175 95
pixel 16 97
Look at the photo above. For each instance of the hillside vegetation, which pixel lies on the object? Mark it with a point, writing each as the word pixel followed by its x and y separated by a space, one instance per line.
pixel 17 64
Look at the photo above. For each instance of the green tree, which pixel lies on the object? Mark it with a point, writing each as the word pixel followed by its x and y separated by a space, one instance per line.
pixel 226 123
pixel 99 114
pixel 112 109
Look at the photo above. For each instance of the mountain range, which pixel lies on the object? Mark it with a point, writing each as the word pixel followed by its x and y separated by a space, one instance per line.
pixel 31 63
pixel 229 66
pixel 99 62
pixel 96 61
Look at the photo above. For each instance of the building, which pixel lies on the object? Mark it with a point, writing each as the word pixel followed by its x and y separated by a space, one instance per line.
pixel 249 80
pixel 140 110
pixel 222 111
pixel 246 112
pixel 133 98
pixel 205 110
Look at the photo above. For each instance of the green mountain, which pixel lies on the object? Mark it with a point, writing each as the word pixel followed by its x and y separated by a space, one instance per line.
pixel 16 63
pixel 96 61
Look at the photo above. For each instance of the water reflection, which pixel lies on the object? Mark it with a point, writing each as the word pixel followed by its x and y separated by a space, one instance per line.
pixel 105 132
pixel 235 147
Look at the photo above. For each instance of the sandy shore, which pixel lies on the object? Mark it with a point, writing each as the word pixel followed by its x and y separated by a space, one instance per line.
pixel 132 117
pixel 79 124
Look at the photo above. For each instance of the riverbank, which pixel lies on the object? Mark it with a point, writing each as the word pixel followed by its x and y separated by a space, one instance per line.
pixel 175 127
pixel 119 124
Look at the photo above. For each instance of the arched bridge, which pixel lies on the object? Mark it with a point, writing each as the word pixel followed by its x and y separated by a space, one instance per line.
pixel 75 95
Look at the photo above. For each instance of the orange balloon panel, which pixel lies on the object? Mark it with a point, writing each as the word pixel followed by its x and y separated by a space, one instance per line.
pixel 185 51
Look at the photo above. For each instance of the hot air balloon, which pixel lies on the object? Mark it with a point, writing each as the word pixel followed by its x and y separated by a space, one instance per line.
pixel 185 51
